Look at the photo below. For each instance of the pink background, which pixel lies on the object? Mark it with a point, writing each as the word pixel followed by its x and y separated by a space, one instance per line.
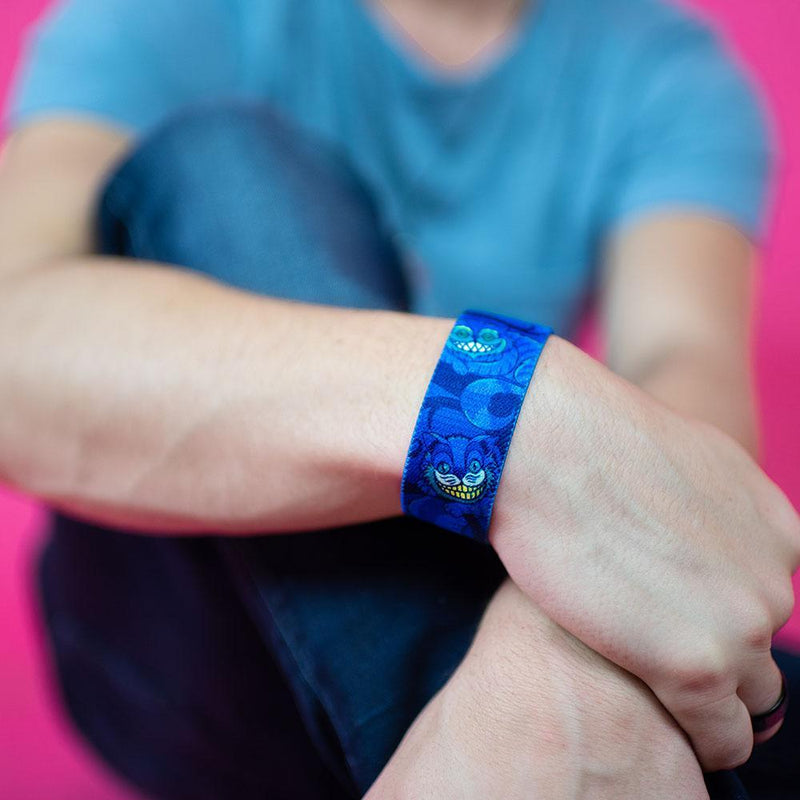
pixel 41 758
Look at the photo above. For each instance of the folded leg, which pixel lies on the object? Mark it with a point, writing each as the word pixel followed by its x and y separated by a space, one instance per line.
pixel 365 622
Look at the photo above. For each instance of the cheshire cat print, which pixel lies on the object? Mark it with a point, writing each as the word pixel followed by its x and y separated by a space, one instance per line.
pixel 467 420
pixel 491 351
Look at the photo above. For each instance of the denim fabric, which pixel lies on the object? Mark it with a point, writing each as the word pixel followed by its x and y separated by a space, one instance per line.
pixel 279 666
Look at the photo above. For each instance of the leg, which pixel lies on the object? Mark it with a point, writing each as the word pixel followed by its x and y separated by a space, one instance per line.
pixel 165 673
pixel 325 601
pixel 366 622
pixel 239 195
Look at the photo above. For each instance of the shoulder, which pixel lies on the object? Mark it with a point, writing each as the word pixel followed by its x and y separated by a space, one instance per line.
pixel 639 42
pixel 684 117
pixel 630 24
pixel 654 50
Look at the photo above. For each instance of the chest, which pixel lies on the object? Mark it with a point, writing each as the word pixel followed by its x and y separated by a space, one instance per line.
pixel 490 188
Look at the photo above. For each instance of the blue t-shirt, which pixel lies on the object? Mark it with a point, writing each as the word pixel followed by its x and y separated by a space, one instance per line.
pixel 499 185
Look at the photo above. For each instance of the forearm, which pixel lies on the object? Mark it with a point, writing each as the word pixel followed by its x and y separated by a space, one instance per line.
pixel 706 387
pixel 676 310
pixel 152 397
pixel 531 712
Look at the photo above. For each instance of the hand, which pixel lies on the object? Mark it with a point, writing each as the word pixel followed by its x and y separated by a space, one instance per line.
pixel 533 713
pixel 655 540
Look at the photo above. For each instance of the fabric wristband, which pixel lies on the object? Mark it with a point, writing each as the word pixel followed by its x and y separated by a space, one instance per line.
pixel 467 419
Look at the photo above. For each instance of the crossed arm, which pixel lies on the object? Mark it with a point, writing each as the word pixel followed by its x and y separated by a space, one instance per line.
pixel 531 711
pixel 590 520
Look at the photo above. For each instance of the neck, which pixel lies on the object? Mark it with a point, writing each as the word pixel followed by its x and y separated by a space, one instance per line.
pixel 453 32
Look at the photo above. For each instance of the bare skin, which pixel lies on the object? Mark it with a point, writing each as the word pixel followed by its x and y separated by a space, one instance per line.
pixel 96 360
pixel 453 35
pixel 540 715
pixel 534 714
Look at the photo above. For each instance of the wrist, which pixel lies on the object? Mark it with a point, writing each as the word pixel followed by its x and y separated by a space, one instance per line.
pixel 531 471
pixel 578 423
pixel 467 419
pixel 337 412
pixel 528 670
pixel 411 345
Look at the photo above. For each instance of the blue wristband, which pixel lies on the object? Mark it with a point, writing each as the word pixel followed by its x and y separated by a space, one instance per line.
pixel 466 421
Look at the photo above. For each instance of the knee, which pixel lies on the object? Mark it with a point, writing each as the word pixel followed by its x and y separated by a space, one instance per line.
pixel 239 193
pixel 210 143
pixel 203 157
pixel 202 152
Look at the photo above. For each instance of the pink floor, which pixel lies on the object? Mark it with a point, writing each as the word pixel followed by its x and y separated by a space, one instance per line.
pixel 41 759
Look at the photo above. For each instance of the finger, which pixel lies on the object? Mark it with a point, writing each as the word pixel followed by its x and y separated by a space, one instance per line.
pixel 762 684
pixel 720 731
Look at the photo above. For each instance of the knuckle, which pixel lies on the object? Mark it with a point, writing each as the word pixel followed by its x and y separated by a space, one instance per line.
pixel 698 679
pixel 784 518
pixel 783 603
pixel 757 629
pixel 793 530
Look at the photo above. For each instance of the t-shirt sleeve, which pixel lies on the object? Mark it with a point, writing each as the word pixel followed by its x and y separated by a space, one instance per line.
pixel 698 137
pixel 130 62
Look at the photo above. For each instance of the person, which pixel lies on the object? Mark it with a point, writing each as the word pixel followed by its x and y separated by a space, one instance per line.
pixel 235 236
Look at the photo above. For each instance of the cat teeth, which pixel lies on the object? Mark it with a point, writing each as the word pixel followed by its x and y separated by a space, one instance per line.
pixel 473 347
pixel 463 492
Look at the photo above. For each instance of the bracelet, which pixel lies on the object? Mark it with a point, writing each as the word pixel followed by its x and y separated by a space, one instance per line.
pixel 467 419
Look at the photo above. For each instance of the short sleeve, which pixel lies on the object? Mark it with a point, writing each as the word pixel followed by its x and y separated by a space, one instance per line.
pixel 131 62
pixel 698 136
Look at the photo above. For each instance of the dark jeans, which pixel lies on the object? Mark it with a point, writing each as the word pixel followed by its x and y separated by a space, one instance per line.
pixel 281 666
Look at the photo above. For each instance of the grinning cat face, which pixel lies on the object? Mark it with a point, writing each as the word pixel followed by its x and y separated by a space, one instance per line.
pixel 484 345
pixel 459 468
